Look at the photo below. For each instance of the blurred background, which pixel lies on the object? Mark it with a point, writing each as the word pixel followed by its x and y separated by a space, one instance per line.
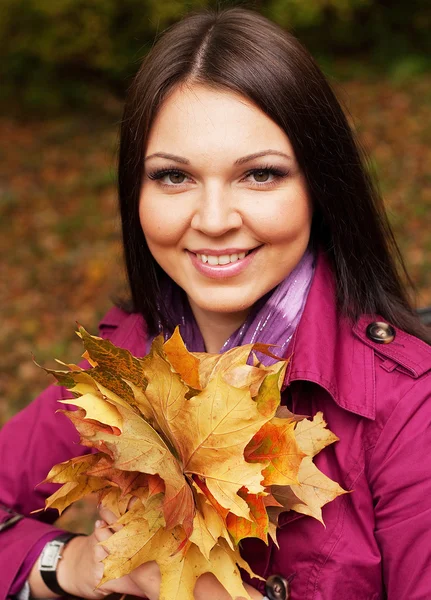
pixel 64 69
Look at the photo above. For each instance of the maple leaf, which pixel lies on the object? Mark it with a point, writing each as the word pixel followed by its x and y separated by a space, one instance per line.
pixel 141 448
pixel 212 435
pixel 314 489
pixel 192 456
pixel 276 444
pixel 77 483
pixel 180 574
pixel 113 365
pixel 257 526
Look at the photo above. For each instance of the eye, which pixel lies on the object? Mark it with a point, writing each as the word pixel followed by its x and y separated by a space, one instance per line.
pixel 261 176
pixel 168 177
pixel 266 176
pixel 174 177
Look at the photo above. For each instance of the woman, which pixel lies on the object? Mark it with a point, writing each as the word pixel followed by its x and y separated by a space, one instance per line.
pixel 248 215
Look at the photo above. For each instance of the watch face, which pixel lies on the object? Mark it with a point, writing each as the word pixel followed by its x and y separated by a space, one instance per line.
pixel 50 555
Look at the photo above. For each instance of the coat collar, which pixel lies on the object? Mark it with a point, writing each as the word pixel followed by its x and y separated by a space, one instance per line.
pixel 324 349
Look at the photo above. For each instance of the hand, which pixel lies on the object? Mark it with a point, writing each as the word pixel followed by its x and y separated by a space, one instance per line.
pixel 147 577
pixel 80 570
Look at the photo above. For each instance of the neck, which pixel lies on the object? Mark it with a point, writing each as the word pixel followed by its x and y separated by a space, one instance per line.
pixel 216 328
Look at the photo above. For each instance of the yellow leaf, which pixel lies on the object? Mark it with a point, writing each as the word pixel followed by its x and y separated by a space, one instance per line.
pixel 97 408
pixel 312 436
pixel 201 535
pixel 140 448
pixel 212 434
pixel 179 574
pixel 313 491
pixel 77 484
pixel 140 540
pixel 212 365
pixel 165 393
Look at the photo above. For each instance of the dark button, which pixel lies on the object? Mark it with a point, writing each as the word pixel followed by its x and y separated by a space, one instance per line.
pixel 380 332
pixel 277 588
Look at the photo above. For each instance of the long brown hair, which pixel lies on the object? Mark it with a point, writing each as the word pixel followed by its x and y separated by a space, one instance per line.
pixel 239 50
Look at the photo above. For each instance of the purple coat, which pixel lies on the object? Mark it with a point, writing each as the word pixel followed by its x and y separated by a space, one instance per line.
pixel 376 398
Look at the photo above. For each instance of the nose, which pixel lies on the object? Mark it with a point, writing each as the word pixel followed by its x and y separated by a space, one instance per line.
pixel 216 212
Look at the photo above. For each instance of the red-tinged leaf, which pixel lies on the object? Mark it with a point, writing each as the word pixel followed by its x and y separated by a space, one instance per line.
pixel 156 485
pixel 275 444
pixel 127 481
pixel 283 412
pixel 88 430
pixel 269 501
pixel 240 528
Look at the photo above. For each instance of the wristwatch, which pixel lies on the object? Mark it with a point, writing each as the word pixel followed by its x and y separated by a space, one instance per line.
pixel 48 562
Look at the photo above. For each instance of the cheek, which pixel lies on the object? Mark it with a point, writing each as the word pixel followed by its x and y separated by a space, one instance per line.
pixel 285 219
pixel 162 223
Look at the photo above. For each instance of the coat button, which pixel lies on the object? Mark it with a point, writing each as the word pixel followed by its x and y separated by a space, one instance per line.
pixel 380 332
pixel 277 588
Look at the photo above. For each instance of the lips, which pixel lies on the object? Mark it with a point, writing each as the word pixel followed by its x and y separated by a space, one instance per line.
pixel 222 264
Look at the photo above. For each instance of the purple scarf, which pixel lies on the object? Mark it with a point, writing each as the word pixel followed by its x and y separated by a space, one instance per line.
pixel 272 320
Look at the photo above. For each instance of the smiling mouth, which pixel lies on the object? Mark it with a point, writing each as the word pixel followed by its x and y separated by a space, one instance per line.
pixel 223 259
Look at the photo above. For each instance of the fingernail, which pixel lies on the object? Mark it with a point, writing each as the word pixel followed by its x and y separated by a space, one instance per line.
pixel 98 524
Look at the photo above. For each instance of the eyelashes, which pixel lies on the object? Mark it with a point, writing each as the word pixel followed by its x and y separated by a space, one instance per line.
pixel 276 173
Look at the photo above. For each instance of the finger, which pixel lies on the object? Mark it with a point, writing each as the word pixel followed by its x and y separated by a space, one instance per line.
pixel 108 516
pixel 124 585
pixel 132 501
pixel 101 533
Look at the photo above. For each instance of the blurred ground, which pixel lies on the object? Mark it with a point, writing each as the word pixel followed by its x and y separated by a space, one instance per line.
pixel 59 242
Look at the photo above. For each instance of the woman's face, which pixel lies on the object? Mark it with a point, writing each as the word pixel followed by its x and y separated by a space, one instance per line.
pixel 224 206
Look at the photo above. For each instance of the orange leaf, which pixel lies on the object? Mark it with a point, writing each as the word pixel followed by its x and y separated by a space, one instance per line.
pixel 276 445
pixel 183 361
pixel 240 528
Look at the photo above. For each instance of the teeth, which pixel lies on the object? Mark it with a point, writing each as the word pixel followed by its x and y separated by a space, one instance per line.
pixel 224 259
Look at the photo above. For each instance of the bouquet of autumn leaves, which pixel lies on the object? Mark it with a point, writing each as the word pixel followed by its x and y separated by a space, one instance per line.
pixel 202 443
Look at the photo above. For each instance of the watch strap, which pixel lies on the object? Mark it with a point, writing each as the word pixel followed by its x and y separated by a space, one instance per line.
pixel 49 572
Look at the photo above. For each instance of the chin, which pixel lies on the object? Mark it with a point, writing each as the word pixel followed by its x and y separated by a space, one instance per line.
pixel 222 305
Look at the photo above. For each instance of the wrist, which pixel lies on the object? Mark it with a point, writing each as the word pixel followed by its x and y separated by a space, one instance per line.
pixel 68 568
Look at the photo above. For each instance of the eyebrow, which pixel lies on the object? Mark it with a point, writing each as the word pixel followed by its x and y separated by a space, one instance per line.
pixel 239 161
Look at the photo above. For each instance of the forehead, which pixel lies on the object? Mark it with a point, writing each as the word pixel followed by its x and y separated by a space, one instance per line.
pixel 199 120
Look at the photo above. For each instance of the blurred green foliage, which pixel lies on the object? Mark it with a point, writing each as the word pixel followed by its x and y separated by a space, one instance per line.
pixel 57 53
